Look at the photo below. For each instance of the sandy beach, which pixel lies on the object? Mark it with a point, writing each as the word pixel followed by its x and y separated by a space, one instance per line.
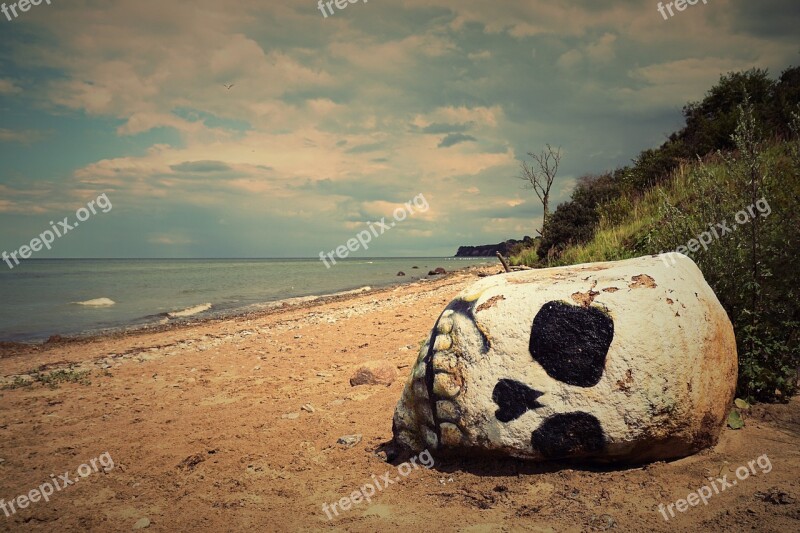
pixel 231 425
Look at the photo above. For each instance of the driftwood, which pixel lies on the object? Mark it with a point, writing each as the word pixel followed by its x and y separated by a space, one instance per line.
pixel 503 261
pixel 511 268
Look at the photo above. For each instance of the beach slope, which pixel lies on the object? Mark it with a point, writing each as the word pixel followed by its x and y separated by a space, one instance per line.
pixel 232 425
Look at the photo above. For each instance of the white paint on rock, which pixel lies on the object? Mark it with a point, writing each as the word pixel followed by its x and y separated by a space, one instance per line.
pixel 669 376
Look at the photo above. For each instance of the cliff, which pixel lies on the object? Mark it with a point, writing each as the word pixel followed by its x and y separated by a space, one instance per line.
pixel 489 250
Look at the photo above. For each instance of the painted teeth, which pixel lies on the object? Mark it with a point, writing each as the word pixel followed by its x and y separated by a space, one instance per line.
pixel 447 411
pixel 445 385
pixel 435 406
pixel 442 343
pixel 419 372
pixel 445 363
pixel 420 390
pixel 445 325
pixel 430 437
pixel 423 351
pixel 425 412
pixel 451 434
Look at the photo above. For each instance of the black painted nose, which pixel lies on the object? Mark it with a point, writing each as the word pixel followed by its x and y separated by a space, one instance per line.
pixel 514 399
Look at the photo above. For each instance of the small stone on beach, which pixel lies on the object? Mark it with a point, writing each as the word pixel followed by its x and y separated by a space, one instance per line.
pixel 348 441
pixel 374 373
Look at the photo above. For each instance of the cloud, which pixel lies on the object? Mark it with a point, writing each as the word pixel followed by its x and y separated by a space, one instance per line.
pixel 674 83
pixel 365 148
pixel 569 59
pixel 476 56
pixel 22 136
pixel 8 87
pixel 439 128
pixel 334 120
pixel 169 240
pixel 201 166
pixel 600 51
pixel 455 138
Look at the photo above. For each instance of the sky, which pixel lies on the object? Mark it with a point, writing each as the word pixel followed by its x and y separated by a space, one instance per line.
pixel 336 121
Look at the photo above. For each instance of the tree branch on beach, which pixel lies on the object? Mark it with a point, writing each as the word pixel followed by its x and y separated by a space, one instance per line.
pixel 540 175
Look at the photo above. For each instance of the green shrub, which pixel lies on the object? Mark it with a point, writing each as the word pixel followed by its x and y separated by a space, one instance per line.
pixel 574 222
pixel 709 126
pixel 751 268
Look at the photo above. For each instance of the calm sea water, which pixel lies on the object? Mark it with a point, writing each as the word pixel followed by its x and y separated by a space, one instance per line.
pixel 38 298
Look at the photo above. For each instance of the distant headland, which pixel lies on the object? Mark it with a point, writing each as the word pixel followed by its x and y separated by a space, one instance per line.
pixel 490 250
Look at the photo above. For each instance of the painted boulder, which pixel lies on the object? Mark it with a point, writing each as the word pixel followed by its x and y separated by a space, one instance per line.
pixel 629 361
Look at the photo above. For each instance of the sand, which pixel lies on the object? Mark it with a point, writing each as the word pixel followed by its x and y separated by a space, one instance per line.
pixel 207 431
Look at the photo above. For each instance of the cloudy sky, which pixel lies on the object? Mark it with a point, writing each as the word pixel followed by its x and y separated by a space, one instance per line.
pixel 334 122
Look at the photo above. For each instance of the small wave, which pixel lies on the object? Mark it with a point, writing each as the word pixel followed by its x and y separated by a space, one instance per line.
pixel 97 302
pixel 354 291
pixel 189 311
pixel 299 300
pixel 154 316
pixel 285 302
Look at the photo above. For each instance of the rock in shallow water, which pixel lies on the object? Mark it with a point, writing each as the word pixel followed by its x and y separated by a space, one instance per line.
pixel 628 361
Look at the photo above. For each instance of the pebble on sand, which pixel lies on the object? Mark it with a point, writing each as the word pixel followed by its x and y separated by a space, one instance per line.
pixel 348 441
pixel 374 373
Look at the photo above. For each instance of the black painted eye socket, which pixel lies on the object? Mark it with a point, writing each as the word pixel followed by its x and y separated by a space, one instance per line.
pixel 571 342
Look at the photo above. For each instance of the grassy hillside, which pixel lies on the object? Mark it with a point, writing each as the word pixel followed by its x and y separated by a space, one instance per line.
pixel 744 205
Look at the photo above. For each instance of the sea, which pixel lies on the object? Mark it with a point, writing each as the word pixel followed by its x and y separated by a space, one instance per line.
pixel 76 297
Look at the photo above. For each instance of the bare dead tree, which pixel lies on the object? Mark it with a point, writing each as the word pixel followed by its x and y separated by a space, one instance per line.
pixel 540 175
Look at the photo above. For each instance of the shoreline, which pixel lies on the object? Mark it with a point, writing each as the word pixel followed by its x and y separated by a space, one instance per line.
pixel 227 424
pixel 166 323
pixel 302 304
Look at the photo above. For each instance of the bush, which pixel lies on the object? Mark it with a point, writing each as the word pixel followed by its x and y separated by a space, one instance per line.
pixel 747 130
pixel 710 126
pixel 573 222
pixel 752 268
pixel 711 123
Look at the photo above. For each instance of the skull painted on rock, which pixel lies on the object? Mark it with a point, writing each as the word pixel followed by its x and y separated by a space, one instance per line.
pixel 626 361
